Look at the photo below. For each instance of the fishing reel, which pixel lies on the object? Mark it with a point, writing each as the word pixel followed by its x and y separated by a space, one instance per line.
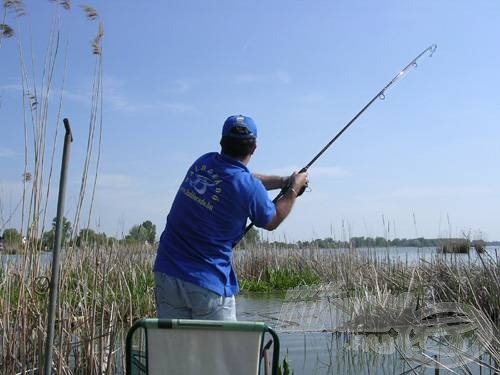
pixel 288 186
pixel 304 188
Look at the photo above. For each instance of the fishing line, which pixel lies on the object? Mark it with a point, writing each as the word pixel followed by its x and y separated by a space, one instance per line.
pixel 379 95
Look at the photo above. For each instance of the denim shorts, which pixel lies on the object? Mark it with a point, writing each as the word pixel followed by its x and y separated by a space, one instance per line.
pixel 178 299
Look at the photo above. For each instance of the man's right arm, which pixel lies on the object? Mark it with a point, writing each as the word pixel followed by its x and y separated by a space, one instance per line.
pixel 285 203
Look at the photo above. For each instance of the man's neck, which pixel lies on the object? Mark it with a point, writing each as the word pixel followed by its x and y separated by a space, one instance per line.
pixel 244 160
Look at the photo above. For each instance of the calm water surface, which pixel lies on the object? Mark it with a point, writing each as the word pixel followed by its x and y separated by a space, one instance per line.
pixel 314 349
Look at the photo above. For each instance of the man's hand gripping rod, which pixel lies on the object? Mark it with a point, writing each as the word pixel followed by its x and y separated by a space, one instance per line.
pixel 380 95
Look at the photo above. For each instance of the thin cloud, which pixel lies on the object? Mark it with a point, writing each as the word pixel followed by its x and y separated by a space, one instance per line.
pixel 7 152
pixel 10 189
pixel 279 76
pixel 179 87
pixel 331 171
pixel 441 191
pixel 310 98
pixel 176 107
pixel 11 87
pixel 121 103
pixel 282 76
pixel 78 97
pixel 114 180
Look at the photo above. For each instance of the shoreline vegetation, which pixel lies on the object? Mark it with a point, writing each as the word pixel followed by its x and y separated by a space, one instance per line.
pixel 104 289
pixel 11 241
pixel 443 245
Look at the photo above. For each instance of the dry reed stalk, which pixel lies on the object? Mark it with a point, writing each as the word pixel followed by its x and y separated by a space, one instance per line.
pixel 37 107
pixel 93 311
pixel 95 121
pixel 37 90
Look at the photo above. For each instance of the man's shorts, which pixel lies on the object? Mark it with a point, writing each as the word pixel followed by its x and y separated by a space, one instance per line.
pixel 178 299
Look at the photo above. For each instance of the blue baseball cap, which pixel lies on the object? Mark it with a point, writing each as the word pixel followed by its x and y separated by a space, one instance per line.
pixel 242 127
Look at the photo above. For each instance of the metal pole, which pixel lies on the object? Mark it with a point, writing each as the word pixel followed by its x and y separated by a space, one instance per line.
pixel 54 281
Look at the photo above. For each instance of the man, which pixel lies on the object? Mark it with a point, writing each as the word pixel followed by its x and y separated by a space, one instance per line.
pixel 193 270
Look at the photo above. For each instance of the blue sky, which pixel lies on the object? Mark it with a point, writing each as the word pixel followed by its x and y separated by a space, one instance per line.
pixel 423 162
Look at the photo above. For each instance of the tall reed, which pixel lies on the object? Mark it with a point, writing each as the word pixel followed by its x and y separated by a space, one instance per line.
pixel 102 291
pixel 42 81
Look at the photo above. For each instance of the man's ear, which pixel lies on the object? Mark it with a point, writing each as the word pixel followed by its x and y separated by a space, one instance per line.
pixel 253 149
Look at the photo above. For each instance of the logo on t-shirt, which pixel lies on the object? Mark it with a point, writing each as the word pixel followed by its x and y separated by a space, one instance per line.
pixel 203 183
pixel 200 183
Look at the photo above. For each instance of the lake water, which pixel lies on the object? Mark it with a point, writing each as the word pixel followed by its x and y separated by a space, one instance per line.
pixel 313 342
pixel 413 255
pixel 14 261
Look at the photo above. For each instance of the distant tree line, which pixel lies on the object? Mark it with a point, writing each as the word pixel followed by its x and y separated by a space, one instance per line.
pixel 370 242
pixel 144 233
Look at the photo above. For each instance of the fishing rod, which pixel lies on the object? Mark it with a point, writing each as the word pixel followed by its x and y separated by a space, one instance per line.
pixel 380 95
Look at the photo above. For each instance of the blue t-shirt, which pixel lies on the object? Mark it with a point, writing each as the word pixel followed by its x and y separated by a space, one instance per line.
pixel 208 216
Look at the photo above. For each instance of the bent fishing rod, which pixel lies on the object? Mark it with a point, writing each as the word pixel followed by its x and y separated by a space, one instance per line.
pixel 379 95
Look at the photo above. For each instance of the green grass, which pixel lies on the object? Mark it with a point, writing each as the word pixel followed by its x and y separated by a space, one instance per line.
pixel 280 279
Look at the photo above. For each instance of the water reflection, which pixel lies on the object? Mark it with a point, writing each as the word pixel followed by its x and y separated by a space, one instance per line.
pixel 316 337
